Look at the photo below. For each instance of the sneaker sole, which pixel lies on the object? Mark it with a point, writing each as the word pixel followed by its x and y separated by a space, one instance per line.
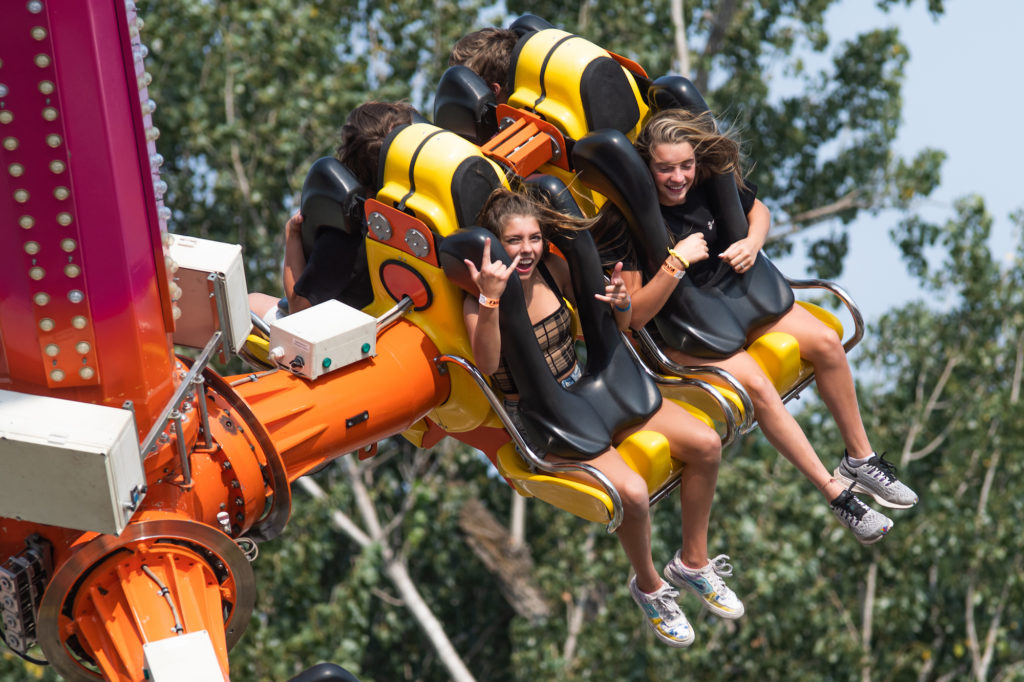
pixel 675 643
pixel 873 540
pixel 858 488
pixel 717 610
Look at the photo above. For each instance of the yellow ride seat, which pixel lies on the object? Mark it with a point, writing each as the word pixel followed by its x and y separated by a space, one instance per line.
pixel 577 86
pixel 432 183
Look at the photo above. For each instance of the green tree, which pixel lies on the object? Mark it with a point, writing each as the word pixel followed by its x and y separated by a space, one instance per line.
pixel 249 94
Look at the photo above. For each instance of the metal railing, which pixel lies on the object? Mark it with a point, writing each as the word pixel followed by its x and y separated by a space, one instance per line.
pixel 533 461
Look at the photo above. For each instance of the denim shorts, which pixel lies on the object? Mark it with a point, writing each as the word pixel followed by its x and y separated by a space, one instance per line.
pixel 512 406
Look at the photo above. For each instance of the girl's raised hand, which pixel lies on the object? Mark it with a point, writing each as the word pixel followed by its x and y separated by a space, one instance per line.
pixel 492 277
pixel 615 291
pixel 293 228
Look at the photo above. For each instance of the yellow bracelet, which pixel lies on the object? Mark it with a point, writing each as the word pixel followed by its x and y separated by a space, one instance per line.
pixel 672 252
pixel 672 270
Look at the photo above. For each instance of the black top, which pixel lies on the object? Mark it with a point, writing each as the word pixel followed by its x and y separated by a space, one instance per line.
pixel 554 337
pixel 336 268
pixel 692 216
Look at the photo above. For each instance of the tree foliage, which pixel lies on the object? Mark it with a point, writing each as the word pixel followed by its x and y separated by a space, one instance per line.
pixel 250 93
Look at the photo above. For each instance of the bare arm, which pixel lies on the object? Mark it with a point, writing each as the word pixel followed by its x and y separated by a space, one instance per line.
pixel 294 263
pixel 482 321
pixel 649 298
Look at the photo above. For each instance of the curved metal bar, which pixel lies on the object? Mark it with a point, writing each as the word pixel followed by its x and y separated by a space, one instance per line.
pixel 184 387
pixel 259 323
pixel 842 295
pixel 669 366
pixel 391 316
pixel 274 519
pixel 728 411
pixel 532 459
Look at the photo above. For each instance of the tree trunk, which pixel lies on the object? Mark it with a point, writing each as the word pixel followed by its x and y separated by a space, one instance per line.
pixel 510 563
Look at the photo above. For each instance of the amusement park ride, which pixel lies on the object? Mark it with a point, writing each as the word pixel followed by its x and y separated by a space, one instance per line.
pixel 135 483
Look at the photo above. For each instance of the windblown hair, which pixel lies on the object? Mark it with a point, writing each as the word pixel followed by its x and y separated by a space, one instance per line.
pixel 503 204
pixel 716 153
pixel 488 52
pixel 363 135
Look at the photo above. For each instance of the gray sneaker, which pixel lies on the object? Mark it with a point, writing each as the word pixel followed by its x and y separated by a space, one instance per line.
pixel 868 526
pixel 876 477
pixel 663 614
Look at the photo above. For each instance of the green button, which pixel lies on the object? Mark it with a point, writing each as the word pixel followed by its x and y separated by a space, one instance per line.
pixel 366 348
pixel 327 363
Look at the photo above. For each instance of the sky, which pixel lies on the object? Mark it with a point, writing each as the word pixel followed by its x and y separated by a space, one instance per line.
pixel 963 95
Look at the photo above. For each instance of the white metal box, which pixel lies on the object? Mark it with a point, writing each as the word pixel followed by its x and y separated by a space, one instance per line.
pixel 198 260
pixel 186 658
pixel 321 339
pixel 69 464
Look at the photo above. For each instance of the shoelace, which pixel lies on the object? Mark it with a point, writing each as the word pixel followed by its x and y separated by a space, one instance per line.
pixel 720 566
pixel 884 467
pixel 664 602
pixel 848 505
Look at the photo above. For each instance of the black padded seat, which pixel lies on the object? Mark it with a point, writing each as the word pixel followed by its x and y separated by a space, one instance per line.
pixel 529 23
pixel 333 236
pixel 465 105
pixel 331 199
pixel 554 192
pixel 430 162
pixel 587 88
pixel 577 422
pixel 675 92
pixel 709 321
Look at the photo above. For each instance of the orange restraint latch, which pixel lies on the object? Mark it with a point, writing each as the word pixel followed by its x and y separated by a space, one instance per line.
pixel 526 144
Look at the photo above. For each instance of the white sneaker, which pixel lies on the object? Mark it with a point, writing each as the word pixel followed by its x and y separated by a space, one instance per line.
pixel 663 614
pixel 707 584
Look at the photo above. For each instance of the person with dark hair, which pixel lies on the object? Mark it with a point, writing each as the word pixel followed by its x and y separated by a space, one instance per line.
pixel 488 52
pixel 682 151
pixel 520 225
pixel 337 265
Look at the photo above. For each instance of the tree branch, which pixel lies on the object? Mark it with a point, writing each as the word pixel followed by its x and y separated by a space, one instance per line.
pixel 399 575
pixel 577 609
pixel 929 407
pixel 236 154
pixel 679 34
pixel 868 619
pixel 844 615
pixel 338 518
pixel 1018 369
pixel 719 27
pixel 510 564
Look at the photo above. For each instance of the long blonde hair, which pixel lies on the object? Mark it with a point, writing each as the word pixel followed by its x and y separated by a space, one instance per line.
pixel 716 153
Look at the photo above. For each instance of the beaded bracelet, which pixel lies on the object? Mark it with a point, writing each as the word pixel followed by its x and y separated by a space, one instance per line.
pixel 488 302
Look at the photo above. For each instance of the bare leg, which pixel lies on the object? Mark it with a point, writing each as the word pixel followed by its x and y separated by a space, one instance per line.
pixel 261 304
pixel 698 446
pixel 776 422
pixel 820 346
pixel 635 531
